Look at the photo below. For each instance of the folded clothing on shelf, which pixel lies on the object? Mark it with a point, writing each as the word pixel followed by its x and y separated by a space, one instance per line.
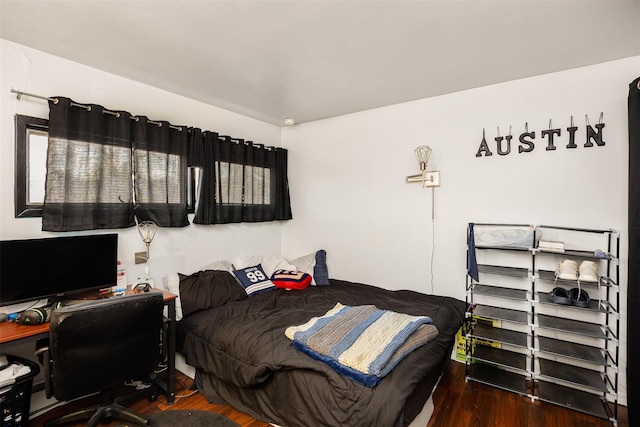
pixel 551 246
pixel 505 238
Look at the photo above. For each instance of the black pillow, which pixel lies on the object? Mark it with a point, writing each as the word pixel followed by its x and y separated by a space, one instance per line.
pixel 207 289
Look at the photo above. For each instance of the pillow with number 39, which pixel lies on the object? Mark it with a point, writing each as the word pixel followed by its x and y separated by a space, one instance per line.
pixel 254 280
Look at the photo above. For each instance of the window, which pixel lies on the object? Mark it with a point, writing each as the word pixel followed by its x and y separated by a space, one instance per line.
pixel 237 180
pixel 230 178
pixel 31 165
pixel 246 190
pixel 253 187
pixel 31 136
pixel 194 176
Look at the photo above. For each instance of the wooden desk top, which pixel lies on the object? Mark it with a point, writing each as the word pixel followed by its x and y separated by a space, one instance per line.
pixel 11 331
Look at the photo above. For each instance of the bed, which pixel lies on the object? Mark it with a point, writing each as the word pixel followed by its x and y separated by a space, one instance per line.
pixel 242 357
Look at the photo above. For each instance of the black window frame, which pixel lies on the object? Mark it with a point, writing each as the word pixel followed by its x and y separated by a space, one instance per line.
pixel 23 124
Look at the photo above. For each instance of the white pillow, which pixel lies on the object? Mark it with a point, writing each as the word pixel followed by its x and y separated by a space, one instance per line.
pixel 270 263
pixel 218 265
pixel 314 264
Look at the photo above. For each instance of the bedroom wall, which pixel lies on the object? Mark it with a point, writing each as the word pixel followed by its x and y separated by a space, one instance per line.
pixel 182 250
pixel 347 174
pixel 349 194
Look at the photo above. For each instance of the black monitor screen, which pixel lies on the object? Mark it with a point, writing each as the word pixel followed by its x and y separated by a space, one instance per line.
pixel 34 269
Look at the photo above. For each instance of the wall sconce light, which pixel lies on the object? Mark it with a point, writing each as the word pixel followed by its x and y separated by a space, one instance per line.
pixel 147 230
pixel 428 178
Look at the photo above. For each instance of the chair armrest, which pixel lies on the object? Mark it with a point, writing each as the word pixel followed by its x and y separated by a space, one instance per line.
pixel 42 353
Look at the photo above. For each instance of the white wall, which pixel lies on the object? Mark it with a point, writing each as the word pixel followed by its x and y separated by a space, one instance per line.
pixel 347 174
pixel 183 249
pixel 349 196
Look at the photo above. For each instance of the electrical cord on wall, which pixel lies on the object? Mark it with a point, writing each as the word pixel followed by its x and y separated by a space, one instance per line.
pixel 433 231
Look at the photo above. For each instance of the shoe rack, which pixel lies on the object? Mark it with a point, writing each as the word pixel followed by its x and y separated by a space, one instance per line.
pixel 520 339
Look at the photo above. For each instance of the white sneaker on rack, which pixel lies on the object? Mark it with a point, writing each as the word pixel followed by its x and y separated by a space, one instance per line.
pixel 588 272
pixel 567 270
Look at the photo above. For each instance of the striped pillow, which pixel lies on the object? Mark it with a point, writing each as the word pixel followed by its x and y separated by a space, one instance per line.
pixel 254 280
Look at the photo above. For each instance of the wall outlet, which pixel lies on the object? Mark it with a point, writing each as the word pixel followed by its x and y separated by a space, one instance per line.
pixel 432 179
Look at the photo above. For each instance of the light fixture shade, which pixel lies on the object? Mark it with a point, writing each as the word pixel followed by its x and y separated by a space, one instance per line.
pixel 147 230
pixel 427 178
pixel 423 154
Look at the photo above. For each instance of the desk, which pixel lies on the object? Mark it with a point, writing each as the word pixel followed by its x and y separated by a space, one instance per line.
pixel 11 332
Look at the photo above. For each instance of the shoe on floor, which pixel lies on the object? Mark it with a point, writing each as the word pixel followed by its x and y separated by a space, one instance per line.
pixel 560 296
pixel 579 297
pixel 567 270
pixel 588 272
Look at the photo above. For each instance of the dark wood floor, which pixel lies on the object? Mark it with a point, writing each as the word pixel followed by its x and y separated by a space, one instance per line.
pixel 458 404
pixel 470 404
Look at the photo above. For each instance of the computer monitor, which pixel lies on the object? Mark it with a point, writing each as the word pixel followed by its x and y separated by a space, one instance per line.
pixel 34 269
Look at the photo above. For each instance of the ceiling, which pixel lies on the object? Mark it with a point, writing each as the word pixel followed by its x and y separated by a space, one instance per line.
pixel 310 60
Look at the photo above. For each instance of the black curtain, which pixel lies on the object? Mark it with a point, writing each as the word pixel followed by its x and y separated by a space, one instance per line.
pixel 633 282
pixel 203 151
pixel 242 182
pixel 88 182
pixel 160 172
pixel 282 208
pixel 105 168
pixel 195 154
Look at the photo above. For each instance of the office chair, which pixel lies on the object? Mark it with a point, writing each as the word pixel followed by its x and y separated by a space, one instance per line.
pixel 96 346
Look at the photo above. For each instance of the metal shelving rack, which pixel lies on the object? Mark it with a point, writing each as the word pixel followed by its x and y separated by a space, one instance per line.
pixel 520 341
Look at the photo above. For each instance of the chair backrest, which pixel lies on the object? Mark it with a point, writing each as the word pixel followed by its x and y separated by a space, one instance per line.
pixel 99 344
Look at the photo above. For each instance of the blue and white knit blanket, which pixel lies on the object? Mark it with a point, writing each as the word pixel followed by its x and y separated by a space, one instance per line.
pixel 362 342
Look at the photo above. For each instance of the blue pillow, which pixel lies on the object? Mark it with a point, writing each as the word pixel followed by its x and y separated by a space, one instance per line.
pixel 254 280
pixel 314 264
pixel 320 270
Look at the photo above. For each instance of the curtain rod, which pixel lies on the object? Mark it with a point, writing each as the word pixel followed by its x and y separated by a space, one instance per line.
pixel 19 93
pixel 253 144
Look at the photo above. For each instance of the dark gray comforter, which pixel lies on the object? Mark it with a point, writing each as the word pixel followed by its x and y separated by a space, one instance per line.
pixel 242 356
